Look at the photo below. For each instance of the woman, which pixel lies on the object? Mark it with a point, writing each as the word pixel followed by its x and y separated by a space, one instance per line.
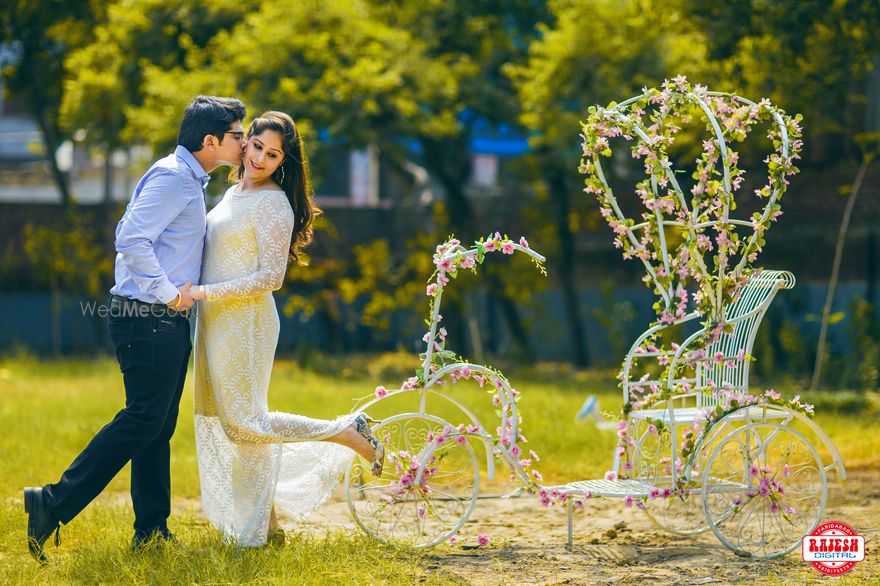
pixel 247 462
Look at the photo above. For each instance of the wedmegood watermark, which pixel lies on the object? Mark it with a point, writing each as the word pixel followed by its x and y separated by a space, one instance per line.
pixel 92 308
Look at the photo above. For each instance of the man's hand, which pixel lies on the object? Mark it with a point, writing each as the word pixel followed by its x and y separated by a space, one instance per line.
pixel 184 299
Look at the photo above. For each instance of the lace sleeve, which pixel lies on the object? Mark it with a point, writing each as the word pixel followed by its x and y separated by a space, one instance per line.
pixel 273 224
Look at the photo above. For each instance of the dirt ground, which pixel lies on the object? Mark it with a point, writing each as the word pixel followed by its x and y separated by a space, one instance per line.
pixel 617 545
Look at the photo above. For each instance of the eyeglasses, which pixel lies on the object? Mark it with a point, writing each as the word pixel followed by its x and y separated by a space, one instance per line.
pixel 238 134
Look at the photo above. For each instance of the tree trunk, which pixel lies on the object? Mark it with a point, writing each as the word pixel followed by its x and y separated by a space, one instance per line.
pixel 561 205
pixel 450 163
pixel 835 271
pixel 50 136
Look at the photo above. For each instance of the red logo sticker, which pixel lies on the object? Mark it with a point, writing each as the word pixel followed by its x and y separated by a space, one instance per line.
pixel 833 548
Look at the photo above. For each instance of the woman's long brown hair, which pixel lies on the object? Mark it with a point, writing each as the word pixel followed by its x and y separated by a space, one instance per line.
pixel 295 180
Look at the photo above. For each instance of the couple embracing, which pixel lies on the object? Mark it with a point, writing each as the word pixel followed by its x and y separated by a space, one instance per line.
pixel 251 460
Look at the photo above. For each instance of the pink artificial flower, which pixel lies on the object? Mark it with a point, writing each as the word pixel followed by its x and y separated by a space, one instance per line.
pixel 422 511
pixel 788 510
pixel 461 440
pixel 537 476
pixel 431 291
pixel 609 475
pixel 534 456
pixel 515 451
pixel 507 248
pixel 453 540
pixel 523 242
pixel 718 357
pixel 490 246
pixel 628 501
pixel 483 540
pixel 381 393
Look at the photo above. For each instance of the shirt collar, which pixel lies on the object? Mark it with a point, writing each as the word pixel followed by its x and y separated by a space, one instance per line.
pixel 193 164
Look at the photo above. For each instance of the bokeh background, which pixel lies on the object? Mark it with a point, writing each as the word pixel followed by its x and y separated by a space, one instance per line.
pixel 430 118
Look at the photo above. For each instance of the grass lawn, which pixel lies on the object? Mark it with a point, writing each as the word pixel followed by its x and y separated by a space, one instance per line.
pixel 49 411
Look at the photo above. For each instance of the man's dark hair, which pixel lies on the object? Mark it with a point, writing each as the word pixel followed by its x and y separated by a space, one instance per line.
pixel 208 115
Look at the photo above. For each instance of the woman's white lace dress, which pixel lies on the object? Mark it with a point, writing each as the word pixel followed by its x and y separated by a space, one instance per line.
pixel 246 456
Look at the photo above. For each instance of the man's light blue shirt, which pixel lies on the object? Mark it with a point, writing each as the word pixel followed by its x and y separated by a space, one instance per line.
pixel 161 236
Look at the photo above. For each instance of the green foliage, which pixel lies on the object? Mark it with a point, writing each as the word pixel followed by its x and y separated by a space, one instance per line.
pixel 813 57
pixel 863 363
pixel 381 282
pixel 386 286
pixel 615 316
pixel 394 73
pixel 69 256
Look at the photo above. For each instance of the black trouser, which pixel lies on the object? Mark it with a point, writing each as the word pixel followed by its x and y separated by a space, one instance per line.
pixel 153 354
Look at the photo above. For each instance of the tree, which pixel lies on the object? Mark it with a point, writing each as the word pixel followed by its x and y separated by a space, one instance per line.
pixel 811 57
pixel 44 33
pixel 105 81
pixel 589 53
pixel 365 74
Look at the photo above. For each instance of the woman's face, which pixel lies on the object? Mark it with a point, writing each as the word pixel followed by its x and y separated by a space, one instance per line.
pixel 262 155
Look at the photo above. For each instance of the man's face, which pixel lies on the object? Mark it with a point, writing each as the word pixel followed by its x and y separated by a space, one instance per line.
pixel 229 153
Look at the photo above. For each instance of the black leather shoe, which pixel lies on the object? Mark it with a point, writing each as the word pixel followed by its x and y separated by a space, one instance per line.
pixel 41 522
pixel 277 537
pixel 142 540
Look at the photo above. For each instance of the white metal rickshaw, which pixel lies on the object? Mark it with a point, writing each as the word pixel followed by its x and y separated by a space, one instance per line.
pixel 697 449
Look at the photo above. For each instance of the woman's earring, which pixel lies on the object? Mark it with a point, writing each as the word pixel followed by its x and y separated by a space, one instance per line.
pixel 282 175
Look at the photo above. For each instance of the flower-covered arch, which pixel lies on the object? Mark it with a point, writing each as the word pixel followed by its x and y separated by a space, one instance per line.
pixel 715 251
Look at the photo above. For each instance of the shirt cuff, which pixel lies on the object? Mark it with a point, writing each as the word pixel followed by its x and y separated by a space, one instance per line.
pixel 167 293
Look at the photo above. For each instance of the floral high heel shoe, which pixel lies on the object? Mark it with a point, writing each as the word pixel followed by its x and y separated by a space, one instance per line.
pixel 362 426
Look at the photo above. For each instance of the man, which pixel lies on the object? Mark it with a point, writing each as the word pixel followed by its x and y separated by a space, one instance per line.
pixel 159 241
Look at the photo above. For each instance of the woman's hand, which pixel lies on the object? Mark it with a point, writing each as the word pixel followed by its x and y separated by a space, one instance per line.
pixel 198 293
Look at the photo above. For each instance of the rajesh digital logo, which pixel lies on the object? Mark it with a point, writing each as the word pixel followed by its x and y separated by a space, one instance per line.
pixel 834 548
